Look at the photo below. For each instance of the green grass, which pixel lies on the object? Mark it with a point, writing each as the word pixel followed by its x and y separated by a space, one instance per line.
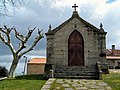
pixel 35 82
pixel 27 82
pixel 113 80
pixel 21 84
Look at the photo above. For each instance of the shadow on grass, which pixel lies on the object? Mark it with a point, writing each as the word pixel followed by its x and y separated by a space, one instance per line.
pixel 32 77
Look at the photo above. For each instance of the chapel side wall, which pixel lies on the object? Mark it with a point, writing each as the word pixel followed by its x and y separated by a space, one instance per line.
pixel 60 47
pixel 93 47
pixel 102 49
pixel 50 54
pixel 97 47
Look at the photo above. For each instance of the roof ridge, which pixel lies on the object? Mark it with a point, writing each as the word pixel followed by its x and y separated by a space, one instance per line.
pixel 74 15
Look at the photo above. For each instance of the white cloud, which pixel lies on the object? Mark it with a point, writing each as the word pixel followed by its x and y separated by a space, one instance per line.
pixel 97 11
pixel 44 13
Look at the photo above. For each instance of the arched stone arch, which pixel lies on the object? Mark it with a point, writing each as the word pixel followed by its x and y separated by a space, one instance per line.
pixel 75 49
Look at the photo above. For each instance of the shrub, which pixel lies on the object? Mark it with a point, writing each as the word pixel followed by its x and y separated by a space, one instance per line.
pixel 31 77
pixel 102 54
pixel 117 67
pixel 3 72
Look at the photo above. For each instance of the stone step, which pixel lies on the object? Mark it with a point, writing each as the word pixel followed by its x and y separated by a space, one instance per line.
pixel 76 77
pixel 63 75
pixel 75 68
pixel 67 71
pixel 75 72
pixel 90 66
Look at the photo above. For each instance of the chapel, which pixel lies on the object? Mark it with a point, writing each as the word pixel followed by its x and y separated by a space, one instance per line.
pixel 74 48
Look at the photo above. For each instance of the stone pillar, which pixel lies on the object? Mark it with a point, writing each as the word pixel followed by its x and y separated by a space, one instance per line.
pixel 50 49
pixel 113 49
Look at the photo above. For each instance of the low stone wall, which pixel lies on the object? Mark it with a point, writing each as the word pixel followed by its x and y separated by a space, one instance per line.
pixel 2 78
pixel 37 68
pixel 114 70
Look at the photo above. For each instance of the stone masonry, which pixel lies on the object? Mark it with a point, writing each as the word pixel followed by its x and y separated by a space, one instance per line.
pixel 94 42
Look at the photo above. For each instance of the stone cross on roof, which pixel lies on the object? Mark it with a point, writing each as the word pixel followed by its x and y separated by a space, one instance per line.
pixel 74 7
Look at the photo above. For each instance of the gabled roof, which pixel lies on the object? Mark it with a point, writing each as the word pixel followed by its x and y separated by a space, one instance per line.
pixel 75 15
pixel 113 54
pixel 116 52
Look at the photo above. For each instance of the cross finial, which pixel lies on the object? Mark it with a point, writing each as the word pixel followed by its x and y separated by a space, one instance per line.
pixel 74 7
pixel 49 28
pixel 101 25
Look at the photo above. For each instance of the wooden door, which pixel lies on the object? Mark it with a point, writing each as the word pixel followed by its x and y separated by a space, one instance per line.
pixel 75 49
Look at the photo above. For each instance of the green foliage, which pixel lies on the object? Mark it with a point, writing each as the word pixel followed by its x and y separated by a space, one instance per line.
pixel 112 79
pixel 31 77
pixel 3 72
pixel 117 67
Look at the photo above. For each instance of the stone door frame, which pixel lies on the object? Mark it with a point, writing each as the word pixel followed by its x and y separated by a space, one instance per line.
pixel 78 50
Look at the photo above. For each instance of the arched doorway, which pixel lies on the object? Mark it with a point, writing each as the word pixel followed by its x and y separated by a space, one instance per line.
pixel 75 49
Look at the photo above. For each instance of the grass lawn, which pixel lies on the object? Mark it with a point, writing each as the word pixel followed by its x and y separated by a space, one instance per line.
pixel 21 84
pixel 36 82
pixel 113 80
pixel 27 82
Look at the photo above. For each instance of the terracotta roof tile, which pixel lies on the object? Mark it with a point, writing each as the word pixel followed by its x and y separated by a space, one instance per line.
pixel 113 57
pixel 38 60
pixel 108 52
pixel 116 52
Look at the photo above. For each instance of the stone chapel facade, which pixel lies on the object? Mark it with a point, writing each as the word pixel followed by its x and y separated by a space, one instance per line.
pixel 76 43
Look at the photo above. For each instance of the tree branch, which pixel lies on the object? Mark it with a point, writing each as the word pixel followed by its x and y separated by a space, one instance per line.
pixel 8 30
pixel 24 40
pixel 21 39
pixel 18 36
pixel 34 44
pixel 7 42
pixel 2 38
pixel 5 4
pixel 29 34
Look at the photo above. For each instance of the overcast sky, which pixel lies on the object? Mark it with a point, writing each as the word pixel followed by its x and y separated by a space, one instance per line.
pixel 42 13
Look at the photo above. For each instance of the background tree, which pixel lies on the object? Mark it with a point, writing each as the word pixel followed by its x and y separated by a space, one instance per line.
pixel 7 7
pixel 5 37
pixel 3 71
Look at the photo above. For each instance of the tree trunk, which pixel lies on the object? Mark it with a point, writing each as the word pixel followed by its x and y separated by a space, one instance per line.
pixel 13 67
pixel 5 37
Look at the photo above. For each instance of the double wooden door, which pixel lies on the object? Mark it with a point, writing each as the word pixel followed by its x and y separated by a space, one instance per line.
pixel 75 49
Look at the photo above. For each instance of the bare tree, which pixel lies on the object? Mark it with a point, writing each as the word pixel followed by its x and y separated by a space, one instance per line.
pixel 7 7
pixel 5 37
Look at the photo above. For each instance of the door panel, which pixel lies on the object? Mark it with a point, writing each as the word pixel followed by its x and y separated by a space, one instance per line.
pixel 75 49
